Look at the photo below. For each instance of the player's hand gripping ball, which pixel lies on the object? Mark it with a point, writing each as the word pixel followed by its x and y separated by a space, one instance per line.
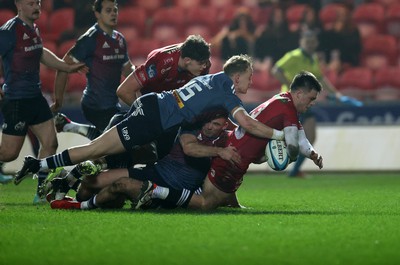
pixel 276 155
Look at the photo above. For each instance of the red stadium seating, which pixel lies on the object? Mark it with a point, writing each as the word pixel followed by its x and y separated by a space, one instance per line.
pixel 369 18
pixel 189 3
pixel 200 20
pixel 47 77
pixel 76 82
pixel 387 84
pixel 134 18
pixel 60 20
pixel 64 47
pixel 216 65
pixel 140 48
pixel 294 16
pixel 167 23
pixel 149 5
pixel 328 15
pixel 43 23
pixel 379 51
pixel 130 33
pixel 5 15
pixel 392 20
pixel 356 82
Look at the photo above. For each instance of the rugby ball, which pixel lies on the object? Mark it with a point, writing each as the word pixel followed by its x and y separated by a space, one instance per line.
pixel 276 155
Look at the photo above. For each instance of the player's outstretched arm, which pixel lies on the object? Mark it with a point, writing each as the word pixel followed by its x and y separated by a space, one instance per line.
pixel 51 60
pixel 255 127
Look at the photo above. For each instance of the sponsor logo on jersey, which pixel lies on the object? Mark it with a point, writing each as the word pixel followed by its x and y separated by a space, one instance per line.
pixel 142 77
pixel 25 36
pixel 105 45
pixel 168 60
pixel 19 126
pixel 113 57
pixel 165 70
pixel 178 99
pixel 125 134
pixel 151 70
pixel 33 47
pixel 137 104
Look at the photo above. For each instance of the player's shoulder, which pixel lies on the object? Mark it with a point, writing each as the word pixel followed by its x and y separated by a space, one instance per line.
pixel 9 25
pixel 90 33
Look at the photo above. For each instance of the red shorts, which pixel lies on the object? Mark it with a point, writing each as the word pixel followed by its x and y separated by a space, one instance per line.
pixel 226 176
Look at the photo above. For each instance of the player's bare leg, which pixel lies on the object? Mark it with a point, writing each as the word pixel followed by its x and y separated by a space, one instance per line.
pixel 91 185
pixel 130 188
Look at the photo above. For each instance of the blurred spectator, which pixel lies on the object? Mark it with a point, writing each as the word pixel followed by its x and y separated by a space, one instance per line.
pixel 341 46
pixel 275 40
pixel 238 37
pixel 84 19
pixel 310 20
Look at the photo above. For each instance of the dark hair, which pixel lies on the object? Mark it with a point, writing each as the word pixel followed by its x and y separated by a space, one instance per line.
pixel 305 80
pixel 238 64
pixel 196 48
pixel 98 4
pixel 242 13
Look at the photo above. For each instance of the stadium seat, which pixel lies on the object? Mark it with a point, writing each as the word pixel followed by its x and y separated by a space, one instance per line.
pixel 369 18
pixel 167 23
pixel 328 15
pixel 221 4
pixel 51 45
pixel 379 51
pixel 64 47
pixel 47 77
pixel 140 48
pixel 130 17
pixel 386 3
pixel 149 5
pixel 392 20
pixel 263 87
pixel 200 20
pixel 76 82
pixel 189 3
pixel 216 65
pixel 5 15
pixel 387 84
pixel 356 82
pixel 130 33
pixel 43 23
pixel 294 16
pixel 60 20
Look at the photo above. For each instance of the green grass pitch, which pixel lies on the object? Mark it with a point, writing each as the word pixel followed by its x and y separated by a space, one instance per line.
pixel 330 218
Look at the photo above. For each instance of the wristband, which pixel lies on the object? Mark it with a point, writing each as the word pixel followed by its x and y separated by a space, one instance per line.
pixel 277 135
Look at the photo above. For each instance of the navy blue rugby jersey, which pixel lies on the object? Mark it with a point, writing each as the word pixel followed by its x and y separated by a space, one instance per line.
pixel 21 48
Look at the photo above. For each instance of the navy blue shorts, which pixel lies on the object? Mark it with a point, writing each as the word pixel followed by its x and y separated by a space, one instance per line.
pixel 19 114
pixel 147 173
pixel 142 125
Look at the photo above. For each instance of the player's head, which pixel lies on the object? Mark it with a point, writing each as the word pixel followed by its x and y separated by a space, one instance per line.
pixel 195 53
pixel 106 12
pixel 217 123
pixel 240 69
pixel 28 10
pixel 304 88
pixel 309 41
